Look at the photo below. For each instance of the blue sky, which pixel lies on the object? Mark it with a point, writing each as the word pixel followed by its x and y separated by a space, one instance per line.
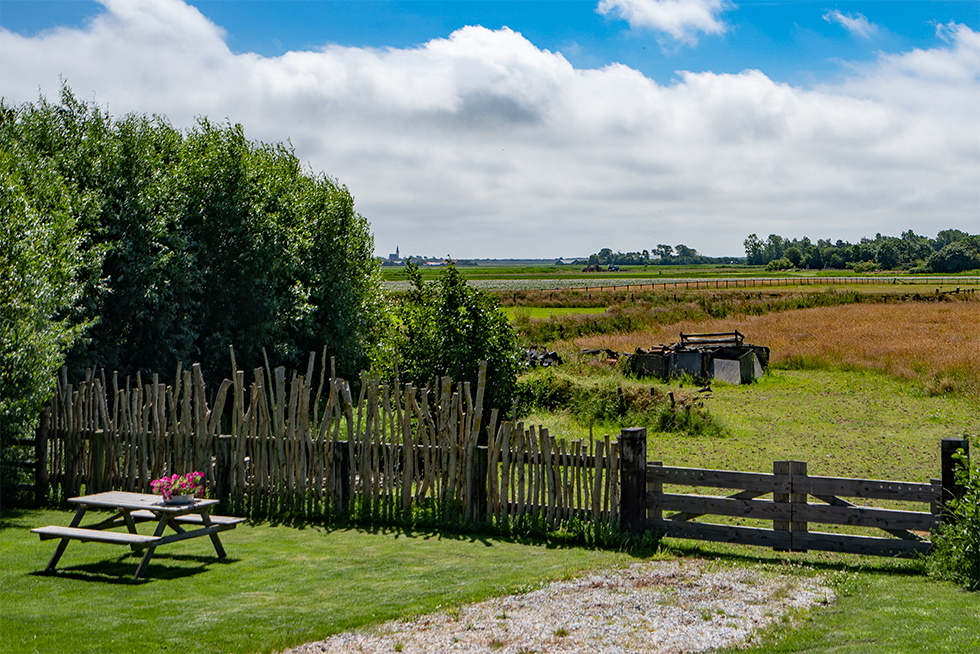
pixel 553 128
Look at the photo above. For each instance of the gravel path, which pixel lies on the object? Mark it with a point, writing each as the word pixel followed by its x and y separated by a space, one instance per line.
pixel 652 607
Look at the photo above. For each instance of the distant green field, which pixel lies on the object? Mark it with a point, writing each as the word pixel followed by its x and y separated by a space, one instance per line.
pixel 542 313
pixel 575 272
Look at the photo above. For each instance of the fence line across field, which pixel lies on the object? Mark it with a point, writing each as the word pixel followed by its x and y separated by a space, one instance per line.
pixel 614 284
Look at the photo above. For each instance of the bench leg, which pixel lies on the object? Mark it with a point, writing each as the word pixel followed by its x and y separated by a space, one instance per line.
pixel 77 520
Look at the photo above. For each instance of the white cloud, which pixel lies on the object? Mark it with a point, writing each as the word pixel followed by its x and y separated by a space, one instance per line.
pixel 682 20
pixel 856 25
pixel 484 145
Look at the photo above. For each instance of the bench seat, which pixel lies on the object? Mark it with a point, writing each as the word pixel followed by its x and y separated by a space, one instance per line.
pixel 190 518
pixel 96 535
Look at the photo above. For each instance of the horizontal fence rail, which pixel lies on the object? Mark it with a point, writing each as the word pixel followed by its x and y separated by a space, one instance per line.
pixel 791 510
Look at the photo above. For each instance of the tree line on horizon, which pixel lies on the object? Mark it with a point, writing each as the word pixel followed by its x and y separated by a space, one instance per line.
pixel 661 255
pixel 951 251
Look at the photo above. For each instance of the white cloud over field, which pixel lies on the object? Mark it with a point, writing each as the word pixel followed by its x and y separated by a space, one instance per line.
pixel 484 145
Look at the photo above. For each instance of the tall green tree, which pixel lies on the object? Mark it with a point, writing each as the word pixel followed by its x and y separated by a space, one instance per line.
pixel 209 240
pixel 44 267
pixel 448 327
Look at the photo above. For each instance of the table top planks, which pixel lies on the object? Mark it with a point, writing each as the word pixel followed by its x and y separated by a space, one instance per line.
pixel 141 501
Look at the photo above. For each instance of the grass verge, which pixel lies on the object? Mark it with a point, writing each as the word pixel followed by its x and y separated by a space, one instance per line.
pixel 883 606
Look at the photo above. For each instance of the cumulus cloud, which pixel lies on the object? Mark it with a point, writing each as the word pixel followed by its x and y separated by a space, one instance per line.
pixel 481 144
pixel 856 25
pixel 682 20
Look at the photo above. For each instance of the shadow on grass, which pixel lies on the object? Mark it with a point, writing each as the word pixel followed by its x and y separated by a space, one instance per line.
pixel 122 569
pixel 822 561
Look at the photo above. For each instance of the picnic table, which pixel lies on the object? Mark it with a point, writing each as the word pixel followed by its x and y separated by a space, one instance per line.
pixel 132 509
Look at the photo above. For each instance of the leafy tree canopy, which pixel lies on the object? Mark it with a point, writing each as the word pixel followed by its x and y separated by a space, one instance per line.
pixel 447 327
pixel 910 251
pixel 164 245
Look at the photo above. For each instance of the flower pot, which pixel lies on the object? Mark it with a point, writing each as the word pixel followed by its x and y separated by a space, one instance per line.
pixel 180 499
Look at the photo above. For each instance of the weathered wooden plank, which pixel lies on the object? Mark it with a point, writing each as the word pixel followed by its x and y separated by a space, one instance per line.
pixel 754 481
pixel 866 488
pixel 860 544
pixel 724 533
pixel 95 535
pixel 864 516
pixel 712 505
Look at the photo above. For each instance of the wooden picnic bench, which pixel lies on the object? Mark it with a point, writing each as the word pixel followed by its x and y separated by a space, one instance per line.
pixel 132 509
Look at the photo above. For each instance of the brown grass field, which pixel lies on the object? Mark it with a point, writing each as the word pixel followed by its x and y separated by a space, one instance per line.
pixel 936 343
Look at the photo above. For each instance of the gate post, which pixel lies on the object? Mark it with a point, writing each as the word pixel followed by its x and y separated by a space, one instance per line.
pixel 952 490
pixel 632 479
pixel 791 468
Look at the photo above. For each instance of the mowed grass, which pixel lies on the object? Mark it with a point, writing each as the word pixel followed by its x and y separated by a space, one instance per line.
pixel 934 343
pixel 280 587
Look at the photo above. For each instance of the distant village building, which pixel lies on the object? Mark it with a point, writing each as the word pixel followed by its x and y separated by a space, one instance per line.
pixel 395 258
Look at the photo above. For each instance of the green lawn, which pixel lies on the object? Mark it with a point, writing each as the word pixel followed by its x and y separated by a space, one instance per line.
pixel 281 586
pixel 284 585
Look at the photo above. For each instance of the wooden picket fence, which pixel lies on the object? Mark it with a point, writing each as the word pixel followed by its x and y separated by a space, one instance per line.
pixel 305 447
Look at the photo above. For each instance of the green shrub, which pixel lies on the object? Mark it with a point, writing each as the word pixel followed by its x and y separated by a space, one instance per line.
pixel 956 544
pixel 610 401
pixel 447 327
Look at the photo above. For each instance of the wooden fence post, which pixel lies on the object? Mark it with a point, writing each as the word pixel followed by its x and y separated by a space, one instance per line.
pixel 222 468
pixel 790 468
pixel 632 479
pixel 41 456
pixel 952 490
pixel 341 461
pixel 95 482
pixel 479 483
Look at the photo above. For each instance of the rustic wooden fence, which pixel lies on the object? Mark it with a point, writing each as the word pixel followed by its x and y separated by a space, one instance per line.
pixel 281 448
pixel 278 448
pixel 790 509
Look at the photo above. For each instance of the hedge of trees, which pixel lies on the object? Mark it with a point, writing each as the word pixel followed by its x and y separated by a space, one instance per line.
pixel 129 244
pixel 951 251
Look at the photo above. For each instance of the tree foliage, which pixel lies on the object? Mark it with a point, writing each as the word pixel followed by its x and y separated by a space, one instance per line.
pixel 161 245
pixel 44 265
pixel 951 251
pixel 447 327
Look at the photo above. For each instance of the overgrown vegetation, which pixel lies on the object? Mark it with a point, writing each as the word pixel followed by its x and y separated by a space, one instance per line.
pixel 589 396
pixel 956 554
